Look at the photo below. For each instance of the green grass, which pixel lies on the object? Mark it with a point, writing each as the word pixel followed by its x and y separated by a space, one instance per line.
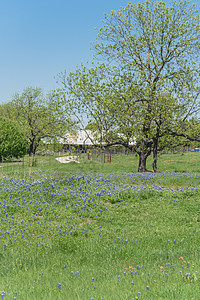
pixel 87 226
pixel 180 162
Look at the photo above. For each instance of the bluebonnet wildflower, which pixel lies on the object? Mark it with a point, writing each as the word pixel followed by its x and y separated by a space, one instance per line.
pixel 59 286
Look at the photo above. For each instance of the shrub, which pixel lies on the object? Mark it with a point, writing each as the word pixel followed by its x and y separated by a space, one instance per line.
pixel 12 139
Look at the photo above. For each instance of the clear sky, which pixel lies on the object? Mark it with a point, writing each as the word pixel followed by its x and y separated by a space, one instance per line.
pixel 41 38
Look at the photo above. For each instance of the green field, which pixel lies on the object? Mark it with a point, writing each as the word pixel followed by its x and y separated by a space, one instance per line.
pixel 100 231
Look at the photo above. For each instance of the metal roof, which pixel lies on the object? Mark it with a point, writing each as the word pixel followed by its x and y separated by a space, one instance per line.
pixel 81 137
pixel 86 137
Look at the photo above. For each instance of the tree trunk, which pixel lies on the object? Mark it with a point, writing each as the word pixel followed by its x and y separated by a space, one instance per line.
pixel 145 151
pixel 31 148
pixel 142 162
pixel 35 148
pixel 155 154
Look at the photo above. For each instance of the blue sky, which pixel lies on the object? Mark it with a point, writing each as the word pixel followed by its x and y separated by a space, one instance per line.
pixel 41 38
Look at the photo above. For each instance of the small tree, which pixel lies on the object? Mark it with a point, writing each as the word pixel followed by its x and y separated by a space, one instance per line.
pixel 41 117
pixel 13 142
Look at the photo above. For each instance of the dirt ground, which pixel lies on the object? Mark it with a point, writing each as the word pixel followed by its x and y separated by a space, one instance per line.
pixel 67 159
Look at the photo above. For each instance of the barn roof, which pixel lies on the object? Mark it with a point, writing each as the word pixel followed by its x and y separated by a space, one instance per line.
pixel 81 137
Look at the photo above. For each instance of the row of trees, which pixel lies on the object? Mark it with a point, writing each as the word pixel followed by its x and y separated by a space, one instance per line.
pixel 146 88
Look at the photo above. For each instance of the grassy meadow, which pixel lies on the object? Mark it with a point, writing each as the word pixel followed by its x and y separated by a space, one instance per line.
pixel 100 231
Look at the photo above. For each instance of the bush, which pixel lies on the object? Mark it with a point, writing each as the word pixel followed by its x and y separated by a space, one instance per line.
pixel 12 139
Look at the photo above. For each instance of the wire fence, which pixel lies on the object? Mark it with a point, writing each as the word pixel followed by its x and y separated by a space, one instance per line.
pixel 46 159
pixel 27 164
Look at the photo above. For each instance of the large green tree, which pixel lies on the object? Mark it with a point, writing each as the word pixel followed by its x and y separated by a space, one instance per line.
pixel 158 46
pixel 153 90
pixel 41 117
